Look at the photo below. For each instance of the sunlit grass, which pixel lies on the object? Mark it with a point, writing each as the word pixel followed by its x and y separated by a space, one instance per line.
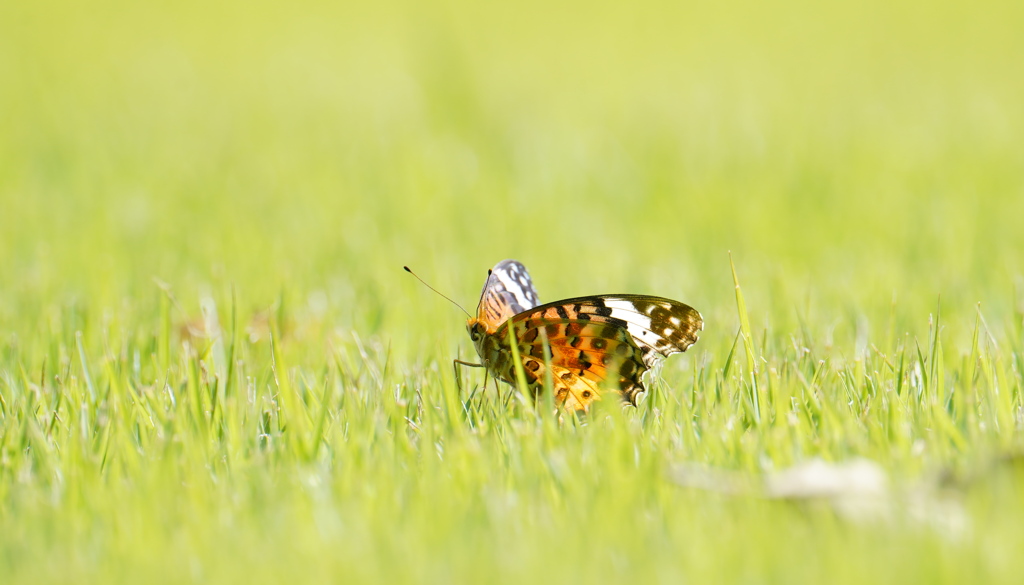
pixel 212 366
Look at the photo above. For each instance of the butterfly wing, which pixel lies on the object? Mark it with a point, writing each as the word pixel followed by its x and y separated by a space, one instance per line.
pixel 605 340
pixel 508 291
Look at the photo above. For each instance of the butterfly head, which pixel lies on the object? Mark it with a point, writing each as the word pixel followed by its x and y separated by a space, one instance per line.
pixel 476 329
pixel 484 341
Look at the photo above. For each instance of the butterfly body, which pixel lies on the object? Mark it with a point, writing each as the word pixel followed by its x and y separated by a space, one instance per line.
pixel 580 346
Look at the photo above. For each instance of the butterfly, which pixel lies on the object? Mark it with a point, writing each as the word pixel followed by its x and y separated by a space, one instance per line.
pixel 578 347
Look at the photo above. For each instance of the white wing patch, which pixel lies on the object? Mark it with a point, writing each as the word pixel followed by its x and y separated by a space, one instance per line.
pixel 507 292
pixel 516 281
pixel 639 326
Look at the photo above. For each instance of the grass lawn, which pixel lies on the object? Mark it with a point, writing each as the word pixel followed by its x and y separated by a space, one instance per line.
pixel 213 368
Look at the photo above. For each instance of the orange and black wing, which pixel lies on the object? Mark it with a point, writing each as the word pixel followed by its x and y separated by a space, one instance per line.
pixel 601 341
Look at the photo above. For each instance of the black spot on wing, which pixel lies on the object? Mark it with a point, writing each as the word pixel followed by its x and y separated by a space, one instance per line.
pixel 573 328
pixel 616 322
pixel 628 368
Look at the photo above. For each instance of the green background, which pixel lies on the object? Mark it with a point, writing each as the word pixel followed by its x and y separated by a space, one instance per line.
pixel 182 181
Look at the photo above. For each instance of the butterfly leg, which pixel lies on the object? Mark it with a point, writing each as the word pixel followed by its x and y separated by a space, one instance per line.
pixel 455 368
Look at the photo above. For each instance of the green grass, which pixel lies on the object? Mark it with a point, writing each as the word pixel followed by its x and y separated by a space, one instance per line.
pixel 213 368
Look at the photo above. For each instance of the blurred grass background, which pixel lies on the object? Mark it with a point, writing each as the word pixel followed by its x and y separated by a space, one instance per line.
pixel 283 161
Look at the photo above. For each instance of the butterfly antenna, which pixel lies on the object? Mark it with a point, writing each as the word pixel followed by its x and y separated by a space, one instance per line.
pixel 435 290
